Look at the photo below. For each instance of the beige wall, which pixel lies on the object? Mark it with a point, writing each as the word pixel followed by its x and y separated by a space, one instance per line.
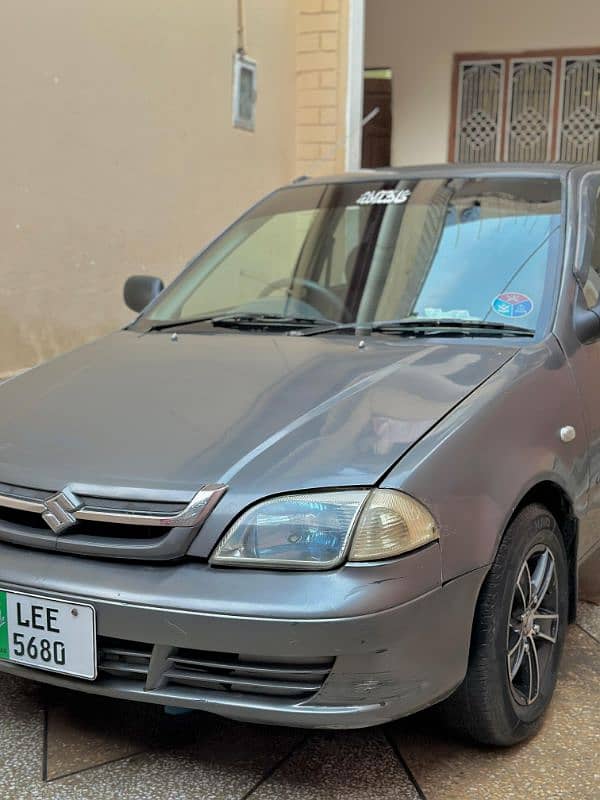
pixel 418 40
pixel 118 154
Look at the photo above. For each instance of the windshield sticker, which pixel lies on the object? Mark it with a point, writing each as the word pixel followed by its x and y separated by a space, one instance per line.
pixel 512 304
pixel 384 197
pixel 455 313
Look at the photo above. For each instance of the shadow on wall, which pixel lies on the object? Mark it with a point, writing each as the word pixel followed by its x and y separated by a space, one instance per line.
pixel 28 340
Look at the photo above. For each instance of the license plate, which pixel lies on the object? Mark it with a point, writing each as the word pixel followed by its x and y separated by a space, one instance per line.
pixel 48 634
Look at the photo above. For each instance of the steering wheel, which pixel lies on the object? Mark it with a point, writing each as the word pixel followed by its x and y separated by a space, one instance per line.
pixel 284 283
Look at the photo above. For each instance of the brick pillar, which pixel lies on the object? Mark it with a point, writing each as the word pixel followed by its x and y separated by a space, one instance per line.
pixel 321 43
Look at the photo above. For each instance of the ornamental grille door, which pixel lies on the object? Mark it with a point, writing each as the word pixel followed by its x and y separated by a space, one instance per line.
pixel 536 107
pixel 580 109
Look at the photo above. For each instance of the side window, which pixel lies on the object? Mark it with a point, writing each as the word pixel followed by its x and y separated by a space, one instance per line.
pixel 591 288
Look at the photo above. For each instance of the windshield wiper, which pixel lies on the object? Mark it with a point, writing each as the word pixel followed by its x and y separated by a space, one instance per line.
pixel 252 320
pixel 174 323
pixel 242 320
pixel 427 327
pixel 448 325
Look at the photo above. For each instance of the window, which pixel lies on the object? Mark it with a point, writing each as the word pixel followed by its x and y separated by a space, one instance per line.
pixel 262 254
pixel 591 287
pixel 462 247
pixel 533 107
pixel 470 242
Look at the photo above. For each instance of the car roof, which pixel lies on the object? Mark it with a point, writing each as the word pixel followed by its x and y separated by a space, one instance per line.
pixel 559 169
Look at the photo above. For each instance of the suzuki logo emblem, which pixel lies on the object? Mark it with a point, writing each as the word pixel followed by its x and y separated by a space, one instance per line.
pixel 59 510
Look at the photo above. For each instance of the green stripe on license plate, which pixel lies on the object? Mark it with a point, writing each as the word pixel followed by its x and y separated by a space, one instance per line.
pixel 3 626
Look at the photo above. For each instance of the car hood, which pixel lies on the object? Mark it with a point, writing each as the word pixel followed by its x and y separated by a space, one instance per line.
pixel 264 413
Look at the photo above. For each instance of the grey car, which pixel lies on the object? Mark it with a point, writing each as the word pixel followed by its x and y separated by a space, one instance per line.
pixel 344 468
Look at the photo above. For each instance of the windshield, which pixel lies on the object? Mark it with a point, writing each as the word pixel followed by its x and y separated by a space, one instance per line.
pixel 449 248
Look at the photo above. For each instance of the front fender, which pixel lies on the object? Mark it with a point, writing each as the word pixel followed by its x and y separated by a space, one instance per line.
pixel 476 465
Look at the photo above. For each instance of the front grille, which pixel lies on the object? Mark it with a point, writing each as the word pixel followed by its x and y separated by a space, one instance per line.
pixel 101 530
pixel 147 506
pixel 25 492
pixel 25 519
pixel 123 524
pixel 34 522
pixel 127 660
pixel 232 673
pixel 209 671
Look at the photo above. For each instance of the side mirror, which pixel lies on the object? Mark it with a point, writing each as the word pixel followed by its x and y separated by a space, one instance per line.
pixel 140 290
pixel 587 324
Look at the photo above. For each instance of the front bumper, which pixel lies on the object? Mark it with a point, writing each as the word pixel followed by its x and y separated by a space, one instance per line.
pixel 378 663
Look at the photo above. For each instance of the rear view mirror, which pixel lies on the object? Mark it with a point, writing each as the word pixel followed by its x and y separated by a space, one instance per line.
pixel 140 291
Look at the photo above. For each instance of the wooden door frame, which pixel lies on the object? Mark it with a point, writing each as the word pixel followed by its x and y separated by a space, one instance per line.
pixel 381 86
pixel 506 57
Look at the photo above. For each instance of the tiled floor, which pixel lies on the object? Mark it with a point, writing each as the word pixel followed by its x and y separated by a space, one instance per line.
pixel 55 745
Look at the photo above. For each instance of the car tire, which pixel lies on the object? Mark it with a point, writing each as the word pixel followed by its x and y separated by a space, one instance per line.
pixel 517 637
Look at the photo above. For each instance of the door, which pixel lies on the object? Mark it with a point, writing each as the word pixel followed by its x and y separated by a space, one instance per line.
pixel 377 133
pixel 526 107
pixel 586 360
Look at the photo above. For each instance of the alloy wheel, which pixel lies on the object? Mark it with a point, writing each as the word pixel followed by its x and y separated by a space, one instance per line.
pixel 532 625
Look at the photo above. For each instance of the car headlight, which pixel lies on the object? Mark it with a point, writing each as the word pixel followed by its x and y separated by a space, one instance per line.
pixel 318 531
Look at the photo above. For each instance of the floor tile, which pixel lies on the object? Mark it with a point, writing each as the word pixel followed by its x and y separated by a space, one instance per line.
pixel 200 756
pixel 189 757
pixel 345 765
pixel 84 731
pixel 21 737
pixel 561 763
pixel 588 617
pixel 589 579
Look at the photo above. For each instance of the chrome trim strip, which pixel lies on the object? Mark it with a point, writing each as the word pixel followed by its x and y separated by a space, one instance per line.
pixel 21 503
pixel 93 514
pixel 198 508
